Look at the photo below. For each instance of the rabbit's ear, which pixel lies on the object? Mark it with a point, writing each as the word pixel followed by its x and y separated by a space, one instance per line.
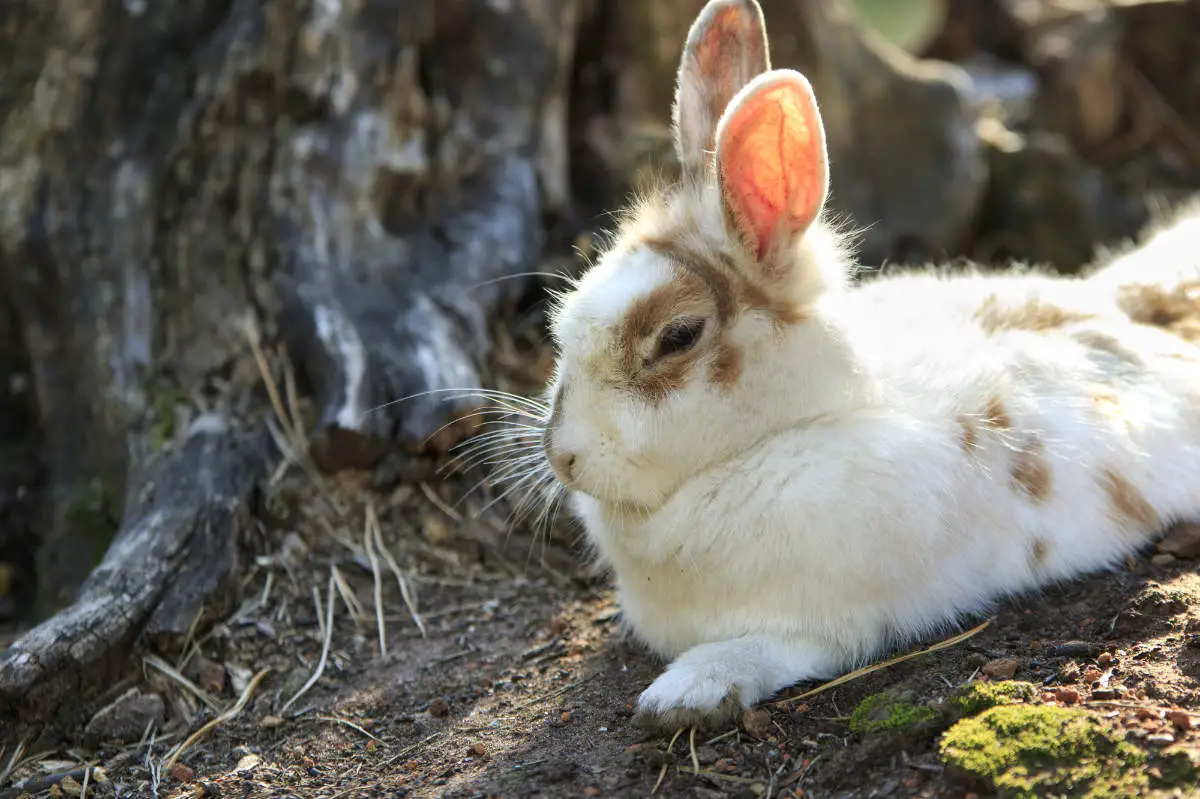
pixel 726 48
pixel 772 166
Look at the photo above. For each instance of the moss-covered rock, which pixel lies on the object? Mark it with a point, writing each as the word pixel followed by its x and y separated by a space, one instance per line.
pixel 888 710
pixel 976 697
pixel 1035 750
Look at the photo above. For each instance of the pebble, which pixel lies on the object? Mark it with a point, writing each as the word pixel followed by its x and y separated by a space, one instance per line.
pixel 1068 696
pixel 756 722
pixel 1180 719
pixel 1001 668
pixel 1104 659
pixel 181 772
pixel 439 708
pixel 478 749
pixel 1073 649
pixel 1162 559
pixel 1160 739
pixel 1091 674
pixel 1104 694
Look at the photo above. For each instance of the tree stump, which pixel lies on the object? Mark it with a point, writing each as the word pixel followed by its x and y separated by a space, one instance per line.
pixel 359 181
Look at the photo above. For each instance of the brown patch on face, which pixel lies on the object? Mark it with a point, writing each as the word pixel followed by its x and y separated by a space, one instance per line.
pixel 1037 554
pixel 726 365
pixel 1031 470
pixel 995 416
pixel 655 379
pixel 1128 503
pixel 969 438
pixel 1032 314
pixel 1177 310
pixel 729 286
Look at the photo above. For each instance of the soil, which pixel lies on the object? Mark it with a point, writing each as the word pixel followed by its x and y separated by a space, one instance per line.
pixel 522 684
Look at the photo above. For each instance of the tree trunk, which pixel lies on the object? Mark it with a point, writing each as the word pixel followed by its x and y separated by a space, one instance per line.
pixel 355 178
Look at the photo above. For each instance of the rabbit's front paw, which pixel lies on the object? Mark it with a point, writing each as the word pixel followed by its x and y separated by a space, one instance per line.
pixel 688 695
pixel 711 683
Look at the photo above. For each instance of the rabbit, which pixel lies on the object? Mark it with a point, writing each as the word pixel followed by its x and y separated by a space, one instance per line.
pixel 787 473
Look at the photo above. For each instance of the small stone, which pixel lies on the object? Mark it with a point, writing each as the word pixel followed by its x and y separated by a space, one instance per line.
pixel 756 722
pixel 439 708
pixel 1091 674
pixel 271 722
pixel 757 788
pixel 565 718
pixel 478 749
pixel 1001 668
pixel 211 675
pixel 1162 559
pixel 1068 696
pixel 127 717
pixel 591 790
pixel 1144 713
pixel 1160 739
pixel 558 626
pixel 1104 694
pixel 70 786
pixel 1104 659
pixel 1180 719
pixel 56 791
pixel 1049 696
pixel 181 772
pixel 248 763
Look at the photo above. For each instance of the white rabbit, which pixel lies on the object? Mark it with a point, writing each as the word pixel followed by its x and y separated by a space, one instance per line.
pixel 786 474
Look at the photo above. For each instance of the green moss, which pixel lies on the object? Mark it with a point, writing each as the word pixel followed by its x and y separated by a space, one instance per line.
pixel 977 697
pixel 888 711
pixel 92 512
pixel 163 414
pixel 1034 750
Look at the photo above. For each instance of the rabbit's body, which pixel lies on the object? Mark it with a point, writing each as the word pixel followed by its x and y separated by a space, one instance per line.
pixel 988 435
pixel 786 473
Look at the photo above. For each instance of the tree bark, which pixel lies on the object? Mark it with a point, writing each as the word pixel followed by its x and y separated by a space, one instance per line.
pixel 358 178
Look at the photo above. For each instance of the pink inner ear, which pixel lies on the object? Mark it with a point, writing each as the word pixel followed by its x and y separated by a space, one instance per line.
pixel 772 164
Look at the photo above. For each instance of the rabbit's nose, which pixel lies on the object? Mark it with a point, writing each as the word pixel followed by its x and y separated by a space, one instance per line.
pixel 563 464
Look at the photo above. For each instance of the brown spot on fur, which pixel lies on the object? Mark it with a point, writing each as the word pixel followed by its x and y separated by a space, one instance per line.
pixel 1128 503
pixel 969 438
pixel 1037 554
pixel 1108 345
pixel 995 416
pixel 726 365
pixel 1031 314
pixel 1177 310
pixel 1031 470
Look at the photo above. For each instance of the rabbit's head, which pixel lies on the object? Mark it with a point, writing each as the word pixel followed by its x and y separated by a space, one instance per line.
pixel 694 335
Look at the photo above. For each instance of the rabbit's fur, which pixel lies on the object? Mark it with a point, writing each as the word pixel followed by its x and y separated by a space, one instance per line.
pixel 820 471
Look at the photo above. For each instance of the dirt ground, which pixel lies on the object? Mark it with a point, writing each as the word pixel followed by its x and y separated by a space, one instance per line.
pixel 518 682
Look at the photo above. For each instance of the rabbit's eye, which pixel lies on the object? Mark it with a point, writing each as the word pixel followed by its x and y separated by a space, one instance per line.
pixel 680 336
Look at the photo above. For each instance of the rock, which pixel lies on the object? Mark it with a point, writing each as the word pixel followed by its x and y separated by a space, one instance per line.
pixel 1181 719
pixel 756 722
pixel 127 717
pixel 1074 649
pixel 1068 696
pixel 1104 694
pixel 1001 668
pixel 1044 203
pixel 1162 559
pixel 1160 739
